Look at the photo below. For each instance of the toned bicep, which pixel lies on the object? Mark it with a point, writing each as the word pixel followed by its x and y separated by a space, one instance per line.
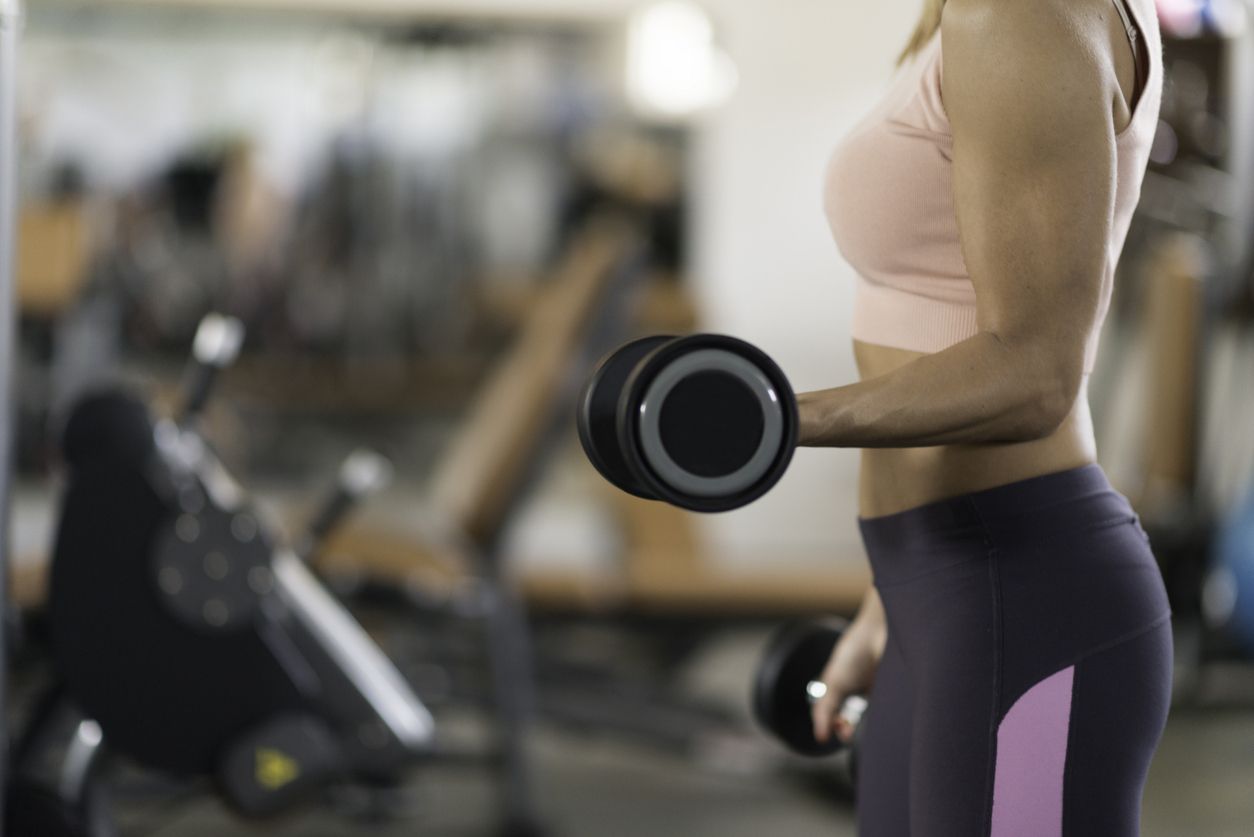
pixel 1034 174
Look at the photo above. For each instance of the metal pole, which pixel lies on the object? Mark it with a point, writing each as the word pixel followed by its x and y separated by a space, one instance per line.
pixel 10 26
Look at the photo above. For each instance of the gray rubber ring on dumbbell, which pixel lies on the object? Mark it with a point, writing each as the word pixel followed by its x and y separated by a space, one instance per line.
pixel 654 451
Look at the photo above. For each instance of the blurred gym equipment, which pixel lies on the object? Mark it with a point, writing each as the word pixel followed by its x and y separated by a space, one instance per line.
pixel 10 28
pixel 193 641
pixel 191 583
pixel 489 469
pixel 1228 594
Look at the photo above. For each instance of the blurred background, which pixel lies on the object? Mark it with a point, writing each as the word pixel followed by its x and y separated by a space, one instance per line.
pixel 431 218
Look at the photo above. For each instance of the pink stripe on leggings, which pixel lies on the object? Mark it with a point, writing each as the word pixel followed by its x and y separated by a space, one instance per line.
pixel 1031 756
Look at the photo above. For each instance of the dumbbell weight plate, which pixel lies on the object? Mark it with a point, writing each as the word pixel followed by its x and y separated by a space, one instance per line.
pixel 794 658
pixel 598 404
pixel 707 422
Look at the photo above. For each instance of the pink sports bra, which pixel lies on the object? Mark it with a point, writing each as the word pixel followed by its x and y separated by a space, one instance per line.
pixel 888 196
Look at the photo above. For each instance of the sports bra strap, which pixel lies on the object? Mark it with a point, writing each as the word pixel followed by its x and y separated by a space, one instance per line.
pixel 1133 38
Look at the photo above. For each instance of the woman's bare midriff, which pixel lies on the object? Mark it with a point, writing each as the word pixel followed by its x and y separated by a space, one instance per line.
pixel 896 479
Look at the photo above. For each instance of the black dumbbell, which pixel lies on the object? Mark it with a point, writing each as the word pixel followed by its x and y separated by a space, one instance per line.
pixel 787 685
pixel 706 422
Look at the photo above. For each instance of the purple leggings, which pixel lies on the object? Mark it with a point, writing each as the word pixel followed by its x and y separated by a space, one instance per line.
pixel 1027 676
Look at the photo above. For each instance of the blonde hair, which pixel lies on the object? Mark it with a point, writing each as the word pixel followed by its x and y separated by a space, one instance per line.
pixel 929 22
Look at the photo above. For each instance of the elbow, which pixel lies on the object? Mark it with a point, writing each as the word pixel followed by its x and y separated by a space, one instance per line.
pixel 1047 384
pixel 1050 399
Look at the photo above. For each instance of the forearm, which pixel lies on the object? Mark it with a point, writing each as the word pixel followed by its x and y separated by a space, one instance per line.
pixel 982 390
pixel 870 624
pixel 871 612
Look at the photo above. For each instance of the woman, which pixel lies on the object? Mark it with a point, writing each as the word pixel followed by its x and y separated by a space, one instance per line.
pixel 1016 644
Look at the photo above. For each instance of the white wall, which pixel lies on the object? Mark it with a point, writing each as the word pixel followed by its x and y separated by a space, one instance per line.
pixel 515 9
pixel 765 266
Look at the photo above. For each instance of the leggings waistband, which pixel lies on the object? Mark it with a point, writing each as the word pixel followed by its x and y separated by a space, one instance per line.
pixel 903 544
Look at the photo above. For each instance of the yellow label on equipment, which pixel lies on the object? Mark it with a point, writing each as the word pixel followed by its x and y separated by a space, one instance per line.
pixel 275 768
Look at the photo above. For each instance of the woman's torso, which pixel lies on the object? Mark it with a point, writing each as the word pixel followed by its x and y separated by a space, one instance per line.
pixel 896 479
pixel 916 299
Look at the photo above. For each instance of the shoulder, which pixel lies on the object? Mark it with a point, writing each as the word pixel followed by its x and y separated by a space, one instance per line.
pixel 1023 12
pixel 1029 58
pixel 1020 33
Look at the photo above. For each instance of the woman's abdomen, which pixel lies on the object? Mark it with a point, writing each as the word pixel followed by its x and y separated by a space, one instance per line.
pixel 895 479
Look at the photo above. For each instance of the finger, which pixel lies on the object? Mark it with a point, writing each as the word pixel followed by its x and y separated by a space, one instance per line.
pixel 822 714
pixel 826 714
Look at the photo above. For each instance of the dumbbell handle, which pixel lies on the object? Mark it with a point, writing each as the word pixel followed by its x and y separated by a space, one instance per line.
pixel 851 711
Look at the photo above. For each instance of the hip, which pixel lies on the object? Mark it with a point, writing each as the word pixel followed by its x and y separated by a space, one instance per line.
pixel 1036 573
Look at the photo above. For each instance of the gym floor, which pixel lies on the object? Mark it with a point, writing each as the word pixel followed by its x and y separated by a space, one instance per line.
pixel 602 787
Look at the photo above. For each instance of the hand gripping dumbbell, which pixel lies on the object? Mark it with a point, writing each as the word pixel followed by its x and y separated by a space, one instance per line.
pixel 787 686
pixel 706 422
